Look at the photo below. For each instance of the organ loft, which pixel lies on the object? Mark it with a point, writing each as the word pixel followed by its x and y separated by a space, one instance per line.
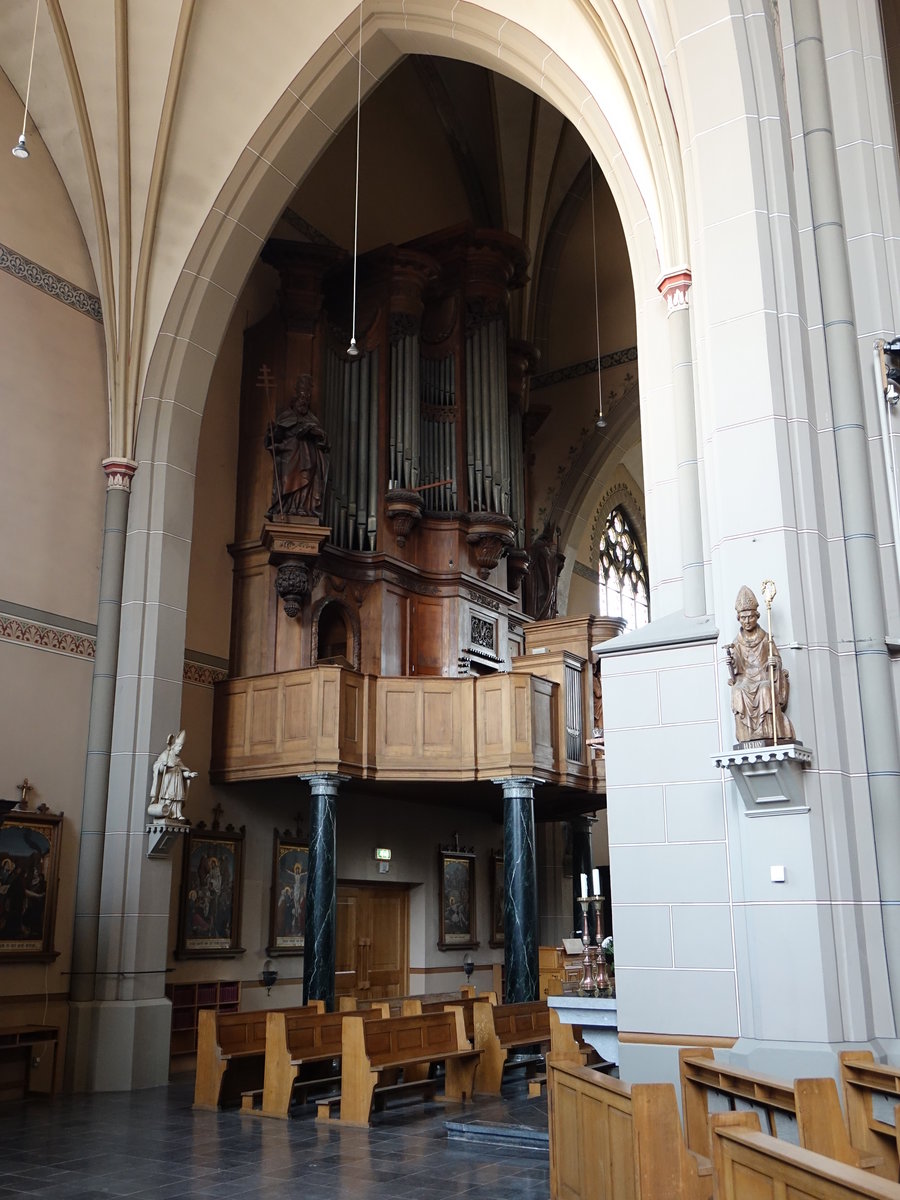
pixel 392 621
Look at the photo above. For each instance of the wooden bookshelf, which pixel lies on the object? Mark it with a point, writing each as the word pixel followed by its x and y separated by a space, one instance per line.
pixel 187 1000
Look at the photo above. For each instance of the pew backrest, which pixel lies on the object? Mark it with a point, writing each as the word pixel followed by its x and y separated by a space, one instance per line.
pixel 749 1164
pixel 807 1109
pixel 394 1041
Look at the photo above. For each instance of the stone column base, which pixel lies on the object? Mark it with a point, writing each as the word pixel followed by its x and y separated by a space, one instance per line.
pixel 118 1045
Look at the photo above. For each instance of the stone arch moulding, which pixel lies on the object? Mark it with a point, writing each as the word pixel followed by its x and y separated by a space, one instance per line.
pixel 598 69
pixel 612 91
pixel 351 618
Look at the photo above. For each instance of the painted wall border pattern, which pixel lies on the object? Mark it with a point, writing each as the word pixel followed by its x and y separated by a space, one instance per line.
pixel 202 674
pixel 46 637
pixel 39 277
pixel 59 640
pixel 589 367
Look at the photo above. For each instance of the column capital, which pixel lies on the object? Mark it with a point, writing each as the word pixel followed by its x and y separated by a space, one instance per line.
pixel 118 473
pixel 324 784
pixel 674 286
pixel 518 786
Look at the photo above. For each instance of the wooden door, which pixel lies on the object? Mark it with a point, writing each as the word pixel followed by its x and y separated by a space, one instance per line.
pixel 372 958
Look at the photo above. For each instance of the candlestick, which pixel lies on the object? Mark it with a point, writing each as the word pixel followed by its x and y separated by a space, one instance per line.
pixel 604 987
pixel 586 986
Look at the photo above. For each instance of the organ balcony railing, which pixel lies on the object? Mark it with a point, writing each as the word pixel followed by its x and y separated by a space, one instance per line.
pixel 529 721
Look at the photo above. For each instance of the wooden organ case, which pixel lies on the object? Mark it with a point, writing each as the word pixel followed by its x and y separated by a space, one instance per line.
pixel 413 567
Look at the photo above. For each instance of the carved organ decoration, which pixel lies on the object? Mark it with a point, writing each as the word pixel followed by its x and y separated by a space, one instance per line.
pixel 424 434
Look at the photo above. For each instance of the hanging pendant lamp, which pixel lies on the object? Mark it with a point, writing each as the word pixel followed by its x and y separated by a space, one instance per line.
pixel 20 150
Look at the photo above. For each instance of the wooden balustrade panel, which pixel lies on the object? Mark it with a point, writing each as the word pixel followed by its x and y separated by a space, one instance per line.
pixel 424 728
pixel 298 706
pixel 327 718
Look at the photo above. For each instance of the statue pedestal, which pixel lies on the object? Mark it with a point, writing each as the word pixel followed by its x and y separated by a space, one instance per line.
pixel 163 834
pixel 294 544
pixel 769 778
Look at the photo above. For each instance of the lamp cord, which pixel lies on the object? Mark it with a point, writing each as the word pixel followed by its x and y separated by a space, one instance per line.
pixel 596 296
pixel 37 9
pixel 356 200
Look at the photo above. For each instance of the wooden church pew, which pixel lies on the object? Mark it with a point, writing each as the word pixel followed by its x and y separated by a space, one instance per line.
pixel 500 1028
pixel 295 1040
pixel 750 1165
pixel 810 1108
pixel 373 1051
pixel 618 1140
pixel 868 1085
pixel 231 1052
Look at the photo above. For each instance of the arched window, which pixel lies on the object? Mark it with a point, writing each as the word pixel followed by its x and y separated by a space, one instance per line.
pixel 622 572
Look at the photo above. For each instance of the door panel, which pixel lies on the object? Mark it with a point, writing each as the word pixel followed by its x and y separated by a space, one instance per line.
pixel 373 941
pixel 345 962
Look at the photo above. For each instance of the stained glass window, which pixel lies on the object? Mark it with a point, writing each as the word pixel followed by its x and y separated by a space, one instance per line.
pixel 622 573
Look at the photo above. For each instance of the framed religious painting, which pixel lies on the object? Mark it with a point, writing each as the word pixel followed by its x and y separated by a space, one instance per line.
pixel 498 932
pixel 29 873
pixel 209 916
pixel 456 900
pixel 287 908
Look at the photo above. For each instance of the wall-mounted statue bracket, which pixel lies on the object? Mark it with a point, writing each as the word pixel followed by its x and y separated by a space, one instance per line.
pixel 163 837
pixel 769 778
pixel 294 546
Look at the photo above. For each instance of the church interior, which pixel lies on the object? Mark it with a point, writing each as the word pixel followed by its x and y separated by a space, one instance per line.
pixel 467 486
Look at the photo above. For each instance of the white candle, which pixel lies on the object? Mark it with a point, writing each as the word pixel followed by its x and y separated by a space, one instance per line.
pixel 583 884
pixel 596 879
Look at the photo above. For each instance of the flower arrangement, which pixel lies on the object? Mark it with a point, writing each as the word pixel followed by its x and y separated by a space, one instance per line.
pixel 608 950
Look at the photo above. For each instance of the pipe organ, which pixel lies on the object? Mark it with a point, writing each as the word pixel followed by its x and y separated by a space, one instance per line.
pixel 403 570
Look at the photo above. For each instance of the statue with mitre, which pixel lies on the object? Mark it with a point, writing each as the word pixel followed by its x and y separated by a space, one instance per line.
pixel 760 685
pixel 171 780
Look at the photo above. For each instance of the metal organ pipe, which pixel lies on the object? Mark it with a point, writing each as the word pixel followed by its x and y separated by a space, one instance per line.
pixel 372 523
pixel 393 454
pixel 362 452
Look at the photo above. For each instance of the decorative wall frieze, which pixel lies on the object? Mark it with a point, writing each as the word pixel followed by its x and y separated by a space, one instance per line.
pixel 202 674
pixel 310 232
pixel 46 637
pixel 584 571
pixel 77 644
pixel 39 277
pixel 589 367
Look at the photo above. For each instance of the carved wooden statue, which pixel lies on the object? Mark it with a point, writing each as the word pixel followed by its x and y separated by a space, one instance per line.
pixel 546 563
pixel 299 448
pixel 759 684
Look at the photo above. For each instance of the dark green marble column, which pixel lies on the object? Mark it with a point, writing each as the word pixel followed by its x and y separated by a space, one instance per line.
pixel 321 890
pixel 520 918
pixel 581 865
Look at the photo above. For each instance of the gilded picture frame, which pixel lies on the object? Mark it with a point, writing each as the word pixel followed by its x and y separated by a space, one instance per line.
pixel 209 915
pixel 29 877
pixel 287 905
pixel 456 899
